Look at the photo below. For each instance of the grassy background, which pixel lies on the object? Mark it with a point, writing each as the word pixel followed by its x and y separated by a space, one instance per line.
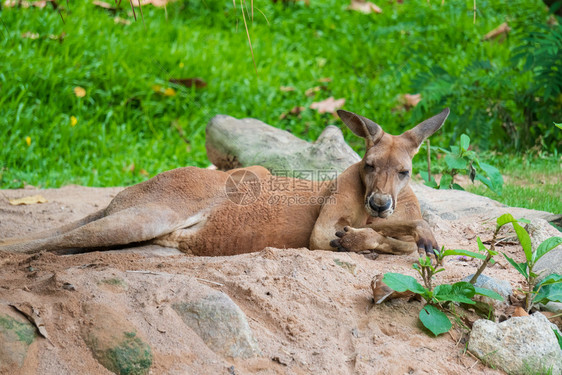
pixel 127 132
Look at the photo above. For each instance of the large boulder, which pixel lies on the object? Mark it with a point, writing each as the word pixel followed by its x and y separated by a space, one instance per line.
pixel 233 143
pixel 520 345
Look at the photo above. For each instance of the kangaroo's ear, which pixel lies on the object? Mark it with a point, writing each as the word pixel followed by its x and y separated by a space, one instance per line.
pixel 361 126
pixel 427 128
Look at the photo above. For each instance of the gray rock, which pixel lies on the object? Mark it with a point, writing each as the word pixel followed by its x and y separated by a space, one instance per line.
pixel 554 307
pixel 517 345
pixel 115 342
pixel 233 143
pixel 220 323
pixel 454 204
pixel 501 287
pixel 16 334
pixel 539 230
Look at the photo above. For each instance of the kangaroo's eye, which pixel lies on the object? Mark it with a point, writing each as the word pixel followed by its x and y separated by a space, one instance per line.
pixel 369 168
pixel 404 174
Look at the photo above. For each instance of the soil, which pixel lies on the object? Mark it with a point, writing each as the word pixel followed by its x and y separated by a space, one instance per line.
pixel 311 312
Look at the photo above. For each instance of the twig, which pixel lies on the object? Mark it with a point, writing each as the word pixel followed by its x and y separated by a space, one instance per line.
pixel 428 160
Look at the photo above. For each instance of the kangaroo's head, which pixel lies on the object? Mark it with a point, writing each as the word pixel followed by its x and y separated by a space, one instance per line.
pixel 387 165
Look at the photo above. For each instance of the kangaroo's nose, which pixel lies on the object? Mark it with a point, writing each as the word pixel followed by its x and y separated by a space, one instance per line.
pixel 380 202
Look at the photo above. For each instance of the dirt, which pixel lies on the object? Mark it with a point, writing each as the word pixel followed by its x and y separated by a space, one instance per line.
pixel 311 312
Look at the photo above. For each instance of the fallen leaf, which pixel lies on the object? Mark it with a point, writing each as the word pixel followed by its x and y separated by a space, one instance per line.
pixel 407 101
pixel 30 35
pixel 519 311
pixel 189 82
pixel 325 79
pixel 121 21
pixel 287 88
pixel 295 111
pixel 104 5
pixel 79 91
pixel 170 92
pixel 144 173
pixel 156 3
pixel 365 7
pixel 28 200
pixel 329 105
pixel 499 32
pixel 73 121
pixel 59 37
pixel 313 90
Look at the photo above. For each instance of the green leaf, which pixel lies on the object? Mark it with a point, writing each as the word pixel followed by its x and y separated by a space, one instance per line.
pixel 525 241
pixel 402 283
pixel 458 292
pixel 559 126
pixel 457 187
pixel 494 174
pixel 546 246
pixel 467 253
pixel 445 182
pixel 455 162
pixel 520 267
pixel 549 289
pixel 505 219
pixel 465 142
pixel 481 246
pixel 435 320
pixel 488 293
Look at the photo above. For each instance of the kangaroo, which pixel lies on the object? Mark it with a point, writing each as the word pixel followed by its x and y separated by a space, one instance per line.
pixel 368 207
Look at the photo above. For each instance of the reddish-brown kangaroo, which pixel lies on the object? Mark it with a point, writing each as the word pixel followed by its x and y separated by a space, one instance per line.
pixel 368 207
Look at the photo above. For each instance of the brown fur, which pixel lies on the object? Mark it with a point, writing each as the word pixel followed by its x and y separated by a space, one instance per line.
pixel 370 206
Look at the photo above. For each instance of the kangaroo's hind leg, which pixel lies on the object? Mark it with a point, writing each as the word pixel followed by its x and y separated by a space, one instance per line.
pixel 134 224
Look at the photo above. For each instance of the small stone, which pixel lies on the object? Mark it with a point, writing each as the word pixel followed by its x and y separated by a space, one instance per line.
pixel 501 287
pixel 220 323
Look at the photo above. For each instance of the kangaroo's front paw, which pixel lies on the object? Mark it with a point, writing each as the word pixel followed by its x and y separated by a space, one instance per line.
pixel 426 241
pixel 352 239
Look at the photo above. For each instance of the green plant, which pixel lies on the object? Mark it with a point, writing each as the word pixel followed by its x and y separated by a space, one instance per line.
pixel 550 288
pixel 437 299
pixel 460 160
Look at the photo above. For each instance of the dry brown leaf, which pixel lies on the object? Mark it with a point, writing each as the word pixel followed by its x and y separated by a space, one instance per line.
pixel 143 172
pixel 33 199
pixel 121 21
pixel 499 32
pixel 295 111
pixel 287 88
pixel 325 80
pixel 189 82
pixel 313 90
pixel 104 5
pixel 364 7
pixel 59 37
pixel 79 91
pixel 156 3
pixel 329 105
pixel 30 35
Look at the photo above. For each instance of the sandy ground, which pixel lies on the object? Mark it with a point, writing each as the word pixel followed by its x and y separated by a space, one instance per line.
pixel 311 311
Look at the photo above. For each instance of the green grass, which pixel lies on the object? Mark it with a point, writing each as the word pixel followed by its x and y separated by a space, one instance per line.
pixel 123 122
pixel 529 181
